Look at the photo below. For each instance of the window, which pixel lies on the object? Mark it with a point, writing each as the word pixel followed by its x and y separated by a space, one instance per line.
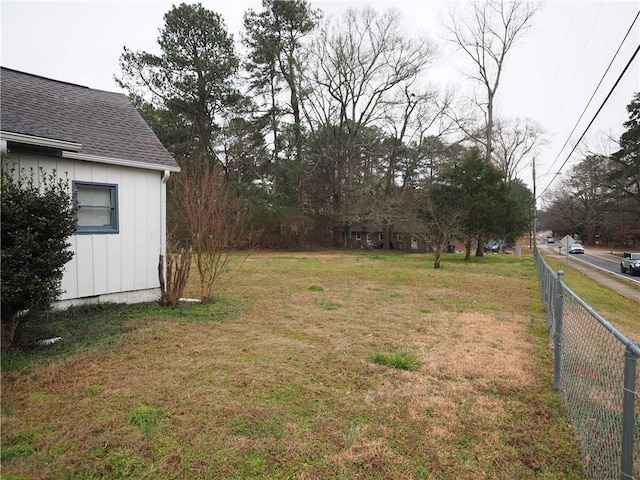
pixel 358 236
pixel 97 207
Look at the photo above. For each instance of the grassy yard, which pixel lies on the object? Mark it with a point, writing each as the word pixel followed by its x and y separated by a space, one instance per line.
pixel 307 366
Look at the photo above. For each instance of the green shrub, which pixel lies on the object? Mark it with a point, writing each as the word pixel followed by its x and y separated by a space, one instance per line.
pixel 37 221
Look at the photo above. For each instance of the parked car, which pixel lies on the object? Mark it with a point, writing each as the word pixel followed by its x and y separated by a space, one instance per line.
pixel 576 248
pixel 630 263
pixel 550 240
pixel 493 246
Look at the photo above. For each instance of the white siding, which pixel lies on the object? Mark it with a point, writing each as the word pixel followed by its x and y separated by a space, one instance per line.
pixel 113 263
pixel 141 203
pixel 114 242
pixel 127 235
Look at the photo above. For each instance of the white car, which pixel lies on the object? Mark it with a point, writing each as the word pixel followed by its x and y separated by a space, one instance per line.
pixel 630 263
pixel 576 248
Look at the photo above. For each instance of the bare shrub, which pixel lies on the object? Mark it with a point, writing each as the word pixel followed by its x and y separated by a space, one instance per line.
pixel 177 273
pixel 211 218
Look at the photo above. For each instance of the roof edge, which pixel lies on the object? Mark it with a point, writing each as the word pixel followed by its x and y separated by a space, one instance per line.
pixel 35 75
pixel 40 141
pixel 118 161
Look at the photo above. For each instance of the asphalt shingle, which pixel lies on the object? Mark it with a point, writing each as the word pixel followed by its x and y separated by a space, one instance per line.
pixel 105 123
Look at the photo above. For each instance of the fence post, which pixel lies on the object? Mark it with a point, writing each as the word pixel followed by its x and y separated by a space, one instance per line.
pixel 628 413
pixel 549 297
pixel 557 338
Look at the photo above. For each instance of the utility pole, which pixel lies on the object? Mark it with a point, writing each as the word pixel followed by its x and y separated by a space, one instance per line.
pixel 534 213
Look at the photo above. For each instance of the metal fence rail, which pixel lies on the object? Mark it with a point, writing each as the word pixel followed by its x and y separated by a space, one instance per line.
pixel 596 372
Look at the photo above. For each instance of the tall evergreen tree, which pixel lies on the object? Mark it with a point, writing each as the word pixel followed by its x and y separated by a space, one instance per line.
pixel 191 83
pixel 475 182
pixel 626 173
pixel 274 37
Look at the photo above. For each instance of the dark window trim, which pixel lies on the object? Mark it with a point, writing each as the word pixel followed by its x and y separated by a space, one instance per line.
pixel 115 226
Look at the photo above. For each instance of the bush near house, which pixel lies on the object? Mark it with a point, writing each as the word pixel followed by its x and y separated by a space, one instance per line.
pixel 37 221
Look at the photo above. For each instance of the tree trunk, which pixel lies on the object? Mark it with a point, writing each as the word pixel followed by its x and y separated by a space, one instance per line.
pixel 8 326
pixel 467 253
pixel 288 71
pixel 489 132
pixel 337 234
pixel 347 235
pixel 387 232
pixel 436 263
pixel 480 248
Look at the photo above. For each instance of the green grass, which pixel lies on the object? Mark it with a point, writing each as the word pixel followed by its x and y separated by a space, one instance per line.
pixel 401 361
pixel 248 426
pixel 272 382
pixel 9 453
pixel 101 327
pixel 329 304
pixel 146 418
pixel 22 443
pixel 92 390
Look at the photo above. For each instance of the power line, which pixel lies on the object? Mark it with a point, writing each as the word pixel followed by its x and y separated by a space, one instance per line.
pixel 578 63
pixel 564 45
pixel 592 120
pixel 594 92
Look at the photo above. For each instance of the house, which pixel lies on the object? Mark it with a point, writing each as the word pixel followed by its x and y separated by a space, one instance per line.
pixel 117 171
pixel 406 235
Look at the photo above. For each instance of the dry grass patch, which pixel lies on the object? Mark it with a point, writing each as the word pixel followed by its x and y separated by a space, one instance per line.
pixel 285 388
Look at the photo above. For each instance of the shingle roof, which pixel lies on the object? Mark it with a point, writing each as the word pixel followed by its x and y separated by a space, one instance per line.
pixel 105 123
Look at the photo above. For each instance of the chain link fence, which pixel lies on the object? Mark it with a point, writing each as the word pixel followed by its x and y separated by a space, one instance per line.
pixel 596 372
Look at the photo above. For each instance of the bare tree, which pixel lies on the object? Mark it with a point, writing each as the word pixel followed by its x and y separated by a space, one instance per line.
pixel 486 31
pixel 211 218
pixel 441 224
pixel 514 142
pixel 360 67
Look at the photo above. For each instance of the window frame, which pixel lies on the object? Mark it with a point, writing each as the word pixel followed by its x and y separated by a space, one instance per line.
pixel 114 227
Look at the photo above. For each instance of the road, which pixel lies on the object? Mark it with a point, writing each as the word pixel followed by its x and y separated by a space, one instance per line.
pixel 601 266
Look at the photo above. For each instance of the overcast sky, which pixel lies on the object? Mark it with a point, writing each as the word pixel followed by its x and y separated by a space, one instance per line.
pixel 550 74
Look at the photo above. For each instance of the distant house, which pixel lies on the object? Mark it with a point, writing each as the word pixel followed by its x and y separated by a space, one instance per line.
pixel 406 235
pixel 117 170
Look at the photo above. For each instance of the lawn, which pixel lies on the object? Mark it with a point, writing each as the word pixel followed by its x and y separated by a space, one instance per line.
pixel 307 366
